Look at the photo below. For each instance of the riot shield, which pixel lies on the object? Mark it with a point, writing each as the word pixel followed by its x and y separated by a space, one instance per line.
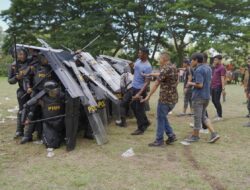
pixel 117 63
pixel 109 75
pixel 98 130
pixel 106 91
pixel 101 104
pixel 92 108
pixel 71 121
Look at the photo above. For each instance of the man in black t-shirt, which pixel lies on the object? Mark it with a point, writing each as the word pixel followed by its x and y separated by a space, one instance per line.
pixel 188 73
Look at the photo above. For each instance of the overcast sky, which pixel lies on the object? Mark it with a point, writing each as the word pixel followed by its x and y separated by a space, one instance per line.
pixel 4 4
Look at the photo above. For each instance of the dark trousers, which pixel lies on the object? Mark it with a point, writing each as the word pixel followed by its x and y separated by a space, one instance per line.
pixel 139 111
pixel 53 133
pixel 216 94
pixel 31 128
pixel 188 99
pixel 203 124
pixel 248 106
pixel 125 102
pixel 21 101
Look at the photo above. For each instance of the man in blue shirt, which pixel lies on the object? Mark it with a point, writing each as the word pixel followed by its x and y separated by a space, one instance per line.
pixel 139 87
pixel 201 97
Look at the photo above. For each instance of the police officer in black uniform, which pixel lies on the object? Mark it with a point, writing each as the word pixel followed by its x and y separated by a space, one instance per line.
pixel 52 104
pixel 19 73
pixel 41 73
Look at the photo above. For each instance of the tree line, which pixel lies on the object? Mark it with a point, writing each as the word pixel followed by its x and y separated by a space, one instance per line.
pixel 126 25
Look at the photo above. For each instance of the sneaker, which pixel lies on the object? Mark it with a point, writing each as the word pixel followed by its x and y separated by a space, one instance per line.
pixel 137 132
pixel 204 131
pixel 191 125
pixel 215 117
pixel 214 138
pixel 117 122
pixel 192 138
pixel 25 140
pixel 181 114
pixel 121 124
pixel 218 119
pixel 156 144
pixel 171 140
pixel 18 134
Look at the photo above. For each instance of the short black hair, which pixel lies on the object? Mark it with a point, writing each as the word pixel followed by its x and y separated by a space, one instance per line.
pixel 198 56
pixel 186 61
pixel 144 50
pixel 218 57
pixel 205 56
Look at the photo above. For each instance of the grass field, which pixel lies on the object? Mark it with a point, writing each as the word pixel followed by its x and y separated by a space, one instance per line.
pixel 224 165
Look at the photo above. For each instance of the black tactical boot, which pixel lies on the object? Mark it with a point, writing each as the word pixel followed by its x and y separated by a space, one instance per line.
pixel 123 122
pixel 19 128
pixel 18 134
pixel 25 140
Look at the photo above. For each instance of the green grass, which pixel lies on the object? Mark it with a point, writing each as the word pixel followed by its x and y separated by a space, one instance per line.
pixel 224 165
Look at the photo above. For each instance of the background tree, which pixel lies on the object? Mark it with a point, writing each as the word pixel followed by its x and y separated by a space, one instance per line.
pixel 126 25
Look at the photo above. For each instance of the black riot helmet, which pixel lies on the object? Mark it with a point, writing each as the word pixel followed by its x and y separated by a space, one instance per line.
pixel 51 88
pixel 22 54
pixel 42 59
pixel 13 52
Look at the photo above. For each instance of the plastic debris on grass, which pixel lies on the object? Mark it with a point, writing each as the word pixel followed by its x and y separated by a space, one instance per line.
pixel 7 98
pixel 2 121
pixel 12 117
pixel 128 153
pixel 14 110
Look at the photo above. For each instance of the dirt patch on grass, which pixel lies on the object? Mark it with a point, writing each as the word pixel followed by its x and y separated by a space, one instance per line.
pixel 213 181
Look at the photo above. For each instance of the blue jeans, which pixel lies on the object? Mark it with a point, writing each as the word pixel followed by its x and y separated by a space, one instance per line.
pixel 162 121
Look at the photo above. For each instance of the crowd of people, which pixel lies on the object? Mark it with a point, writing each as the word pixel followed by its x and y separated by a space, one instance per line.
pixel 41 96
pixel 202 82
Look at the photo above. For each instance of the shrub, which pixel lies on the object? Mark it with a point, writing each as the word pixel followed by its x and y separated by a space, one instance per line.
pixel 5 61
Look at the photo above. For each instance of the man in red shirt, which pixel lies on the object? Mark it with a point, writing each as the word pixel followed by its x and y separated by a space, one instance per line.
pixel 218 85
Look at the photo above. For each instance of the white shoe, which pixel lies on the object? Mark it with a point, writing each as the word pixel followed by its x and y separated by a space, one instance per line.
pixel 50 152
pixel 204 131
pixel 191 125
pixel 117 122
pixel 218 119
